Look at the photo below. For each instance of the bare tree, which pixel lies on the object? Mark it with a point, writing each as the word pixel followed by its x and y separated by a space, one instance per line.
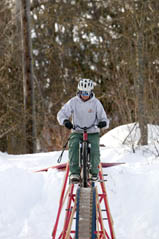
pixel 28 80
pixel 115 43
pixel 140 86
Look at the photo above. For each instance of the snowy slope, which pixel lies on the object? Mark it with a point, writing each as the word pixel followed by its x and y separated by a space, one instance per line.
pixel 29 201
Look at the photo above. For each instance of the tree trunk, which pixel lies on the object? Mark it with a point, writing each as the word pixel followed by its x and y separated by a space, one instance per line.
pixel 28 80
pixel 142 118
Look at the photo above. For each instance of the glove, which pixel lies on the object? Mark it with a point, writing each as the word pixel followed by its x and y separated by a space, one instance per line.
pixel 102 124
pixel 68 124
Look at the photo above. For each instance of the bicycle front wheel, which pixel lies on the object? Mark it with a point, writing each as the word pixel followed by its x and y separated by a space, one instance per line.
pixel 85 164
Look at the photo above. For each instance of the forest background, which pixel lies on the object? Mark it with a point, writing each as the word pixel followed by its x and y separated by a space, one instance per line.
pixel 114 43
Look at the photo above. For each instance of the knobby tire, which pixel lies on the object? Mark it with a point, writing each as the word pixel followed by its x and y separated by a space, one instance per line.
pixel 85 159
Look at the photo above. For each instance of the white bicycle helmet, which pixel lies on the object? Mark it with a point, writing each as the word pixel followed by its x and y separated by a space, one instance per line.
pixel 85 85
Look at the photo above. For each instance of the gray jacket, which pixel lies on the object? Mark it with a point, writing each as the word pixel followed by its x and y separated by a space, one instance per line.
pixel 83 113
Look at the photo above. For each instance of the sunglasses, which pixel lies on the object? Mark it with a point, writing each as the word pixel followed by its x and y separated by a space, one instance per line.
pixel 85 93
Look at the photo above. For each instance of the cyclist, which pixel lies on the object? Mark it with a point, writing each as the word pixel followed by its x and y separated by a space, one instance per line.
pixel 85 110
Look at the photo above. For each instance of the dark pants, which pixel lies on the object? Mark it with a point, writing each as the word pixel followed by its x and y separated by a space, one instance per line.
pixel 93 139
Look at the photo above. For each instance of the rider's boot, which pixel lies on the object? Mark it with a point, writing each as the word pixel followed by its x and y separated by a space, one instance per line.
pixel 74 178
pixel 94 177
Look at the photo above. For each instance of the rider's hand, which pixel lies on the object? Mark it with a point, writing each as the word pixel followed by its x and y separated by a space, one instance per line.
pixel 68 124
pixel 102 124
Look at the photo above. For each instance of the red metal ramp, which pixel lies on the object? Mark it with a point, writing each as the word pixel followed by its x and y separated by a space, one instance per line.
pixel 98 215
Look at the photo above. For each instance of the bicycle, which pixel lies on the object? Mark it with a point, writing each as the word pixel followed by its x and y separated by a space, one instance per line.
pixel 84 156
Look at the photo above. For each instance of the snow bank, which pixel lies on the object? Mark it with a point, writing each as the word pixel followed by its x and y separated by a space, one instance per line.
pixel 29 201
pixel 129 135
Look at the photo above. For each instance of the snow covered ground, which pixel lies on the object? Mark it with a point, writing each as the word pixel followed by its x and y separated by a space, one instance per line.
pixel 29 200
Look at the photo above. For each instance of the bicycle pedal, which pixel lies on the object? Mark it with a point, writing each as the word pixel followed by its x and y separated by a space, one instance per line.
pixel 101 181
pixel 74 181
